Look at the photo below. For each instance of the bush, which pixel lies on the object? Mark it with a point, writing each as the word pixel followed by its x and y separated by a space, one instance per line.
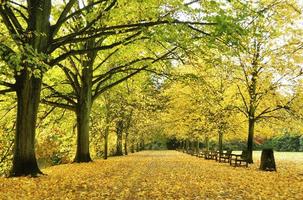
pixel 286 142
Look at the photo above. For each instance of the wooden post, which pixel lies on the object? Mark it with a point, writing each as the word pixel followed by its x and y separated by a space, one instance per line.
pixel 268 160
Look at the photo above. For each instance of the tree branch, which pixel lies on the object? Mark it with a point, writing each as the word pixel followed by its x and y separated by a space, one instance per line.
pixel 59 94
pixel 243 99
pixel 7 91
pixel 11 22
pixel 6 84
pixel 103 89
pixel 71 77
pixel 98 48
pixel 55 28
pixel 59 105
pixel 7 151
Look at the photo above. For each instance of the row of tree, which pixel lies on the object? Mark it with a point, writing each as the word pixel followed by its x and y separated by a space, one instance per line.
pixel 92 42
pixel 237 57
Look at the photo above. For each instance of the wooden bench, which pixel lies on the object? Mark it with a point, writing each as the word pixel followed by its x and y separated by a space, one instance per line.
pixel 239 160
pixel 213 155
pixel 225 156
pixel 191 152
pixel 202 153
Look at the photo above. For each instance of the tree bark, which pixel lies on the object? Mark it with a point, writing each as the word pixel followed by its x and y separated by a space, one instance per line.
pixel 119 144
pixel 142 145
pixel 106 143
pixel 183 145
pixel 207 143
pixel 220 142
pixel 268 160
pixel 125 144
pixel 82 153
pixel 28 96
pixel 250 140
pixel 83 111
pixel 133 147
pixel 197 147
pixel 187 146
pixel 28 89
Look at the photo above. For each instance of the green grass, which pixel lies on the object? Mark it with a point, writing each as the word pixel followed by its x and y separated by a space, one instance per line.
pixel 296 157
pixel 284 156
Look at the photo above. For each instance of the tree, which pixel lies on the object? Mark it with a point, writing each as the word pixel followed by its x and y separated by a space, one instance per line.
pixel 91 75
pixel 36 35
pixel 265 64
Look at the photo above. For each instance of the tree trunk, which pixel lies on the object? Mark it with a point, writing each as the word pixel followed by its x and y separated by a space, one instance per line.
pixel 133 147
pixel 28 89
pixel 220 142
pixel 83 111
pixel 142 145
pixel 187 146
pixel 119 144
pixel 197 147
pixel 250 140
pixel 207 143
pixel 28 97
pixel 106 143
pixel 137 147
pixel 125 144
pixel 82 153
pixel 268 160
pixel 84 104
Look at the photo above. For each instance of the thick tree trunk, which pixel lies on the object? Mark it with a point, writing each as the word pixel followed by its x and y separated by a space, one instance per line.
pixel 82 153
pixel 83 111
pixel 268 160
pixel 28 89
pixel 250 140
pixel 137 147
pixel 106 143
pixel 119 144
pixel 84 104
pixel 28 97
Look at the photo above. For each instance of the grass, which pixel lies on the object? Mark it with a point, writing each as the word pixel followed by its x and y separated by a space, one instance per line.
pixel 296 157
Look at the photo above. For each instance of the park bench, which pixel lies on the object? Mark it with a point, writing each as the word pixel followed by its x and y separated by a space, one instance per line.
pixel 225 156
pixel 202 153
pixel 212 155
pixel 195 152
pixel 237 160
pixel 191 152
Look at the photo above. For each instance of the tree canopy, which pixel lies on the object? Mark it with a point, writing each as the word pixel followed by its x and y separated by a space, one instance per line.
pixel 81 80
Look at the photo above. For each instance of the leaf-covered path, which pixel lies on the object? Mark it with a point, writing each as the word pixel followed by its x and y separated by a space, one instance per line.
pixel 157 175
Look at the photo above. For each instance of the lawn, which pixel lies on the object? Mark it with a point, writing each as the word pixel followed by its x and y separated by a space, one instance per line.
pixel 159 175
pixel 283 156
